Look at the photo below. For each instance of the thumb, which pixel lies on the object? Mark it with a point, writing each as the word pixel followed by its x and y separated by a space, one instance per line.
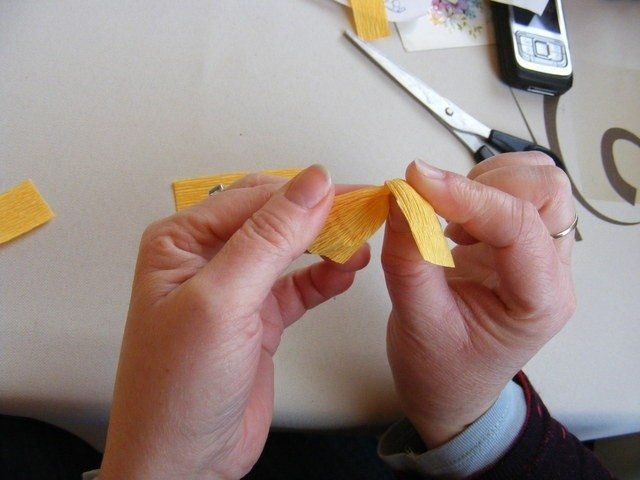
pixel 413 283
pixel 246 268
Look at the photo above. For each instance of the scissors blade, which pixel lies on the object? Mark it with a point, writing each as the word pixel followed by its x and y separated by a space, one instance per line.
pixel 470 140
pixel 445 110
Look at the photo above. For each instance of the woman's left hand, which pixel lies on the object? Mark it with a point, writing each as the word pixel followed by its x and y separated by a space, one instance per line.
pixel 457 336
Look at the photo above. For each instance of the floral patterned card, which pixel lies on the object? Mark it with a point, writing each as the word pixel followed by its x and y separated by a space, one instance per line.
pixel 448 24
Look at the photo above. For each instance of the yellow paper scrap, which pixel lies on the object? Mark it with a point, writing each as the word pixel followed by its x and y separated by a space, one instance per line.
pixel 192 190
pixel 22 209
pixel 370 17
pixel 353 218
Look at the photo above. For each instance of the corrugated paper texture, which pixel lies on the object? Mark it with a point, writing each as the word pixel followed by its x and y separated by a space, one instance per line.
pixel 21 210
pixel 354 216
pixel 370 18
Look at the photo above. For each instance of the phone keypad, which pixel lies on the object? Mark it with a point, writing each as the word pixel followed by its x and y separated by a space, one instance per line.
pixel 542 50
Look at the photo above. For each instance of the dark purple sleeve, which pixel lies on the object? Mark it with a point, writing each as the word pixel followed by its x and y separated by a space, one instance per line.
pixel 544 449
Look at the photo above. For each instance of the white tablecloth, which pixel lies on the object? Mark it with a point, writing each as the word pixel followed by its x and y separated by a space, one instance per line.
pixel 104 104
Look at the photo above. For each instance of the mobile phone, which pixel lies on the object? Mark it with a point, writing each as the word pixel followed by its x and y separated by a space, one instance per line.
pixel 533 50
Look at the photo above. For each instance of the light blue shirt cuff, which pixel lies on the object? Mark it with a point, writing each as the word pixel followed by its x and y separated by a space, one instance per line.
pixel 479 446
pixel 92 475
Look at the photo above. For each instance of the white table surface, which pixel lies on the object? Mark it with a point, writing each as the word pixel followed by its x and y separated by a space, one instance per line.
pixel 104 104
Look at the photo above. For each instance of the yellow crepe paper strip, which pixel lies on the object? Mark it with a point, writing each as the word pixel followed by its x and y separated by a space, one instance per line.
pixel 190 191
pixel 22 209
pixel 353 218
pixel 423 221
pixel 370 18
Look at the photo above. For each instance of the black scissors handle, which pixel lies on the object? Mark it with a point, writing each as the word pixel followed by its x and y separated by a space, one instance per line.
pixel 508 143
pixel 504 142
pixel 483 153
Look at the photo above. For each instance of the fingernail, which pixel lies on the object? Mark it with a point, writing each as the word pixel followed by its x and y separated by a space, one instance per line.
pixel 309 187
pixel 429 171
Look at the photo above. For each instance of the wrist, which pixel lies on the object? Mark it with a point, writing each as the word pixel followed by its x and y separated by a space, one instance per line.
pixel 442 425
pixel 433 435
pixel 149 456
pixel 479 446
pixel 130 465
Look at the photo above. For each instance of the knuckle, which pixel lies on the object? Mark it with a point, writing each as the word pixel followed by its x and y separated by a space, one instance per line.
pixel 528 212
pixel 478 199
pixel 559 181
pixel 526 219
pixel 270 229
pixel 155 238
pixel 470 196
pixel 256 179
pixel 151 231
pixel 159 243
pixel 250 180
pixel 536 157
pixel 553 175
pixel 162 239
pixel 559 195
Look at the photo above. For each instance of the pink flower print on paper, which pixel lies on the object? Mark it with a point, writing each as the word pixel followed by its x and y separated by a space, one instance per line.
pixel 457 15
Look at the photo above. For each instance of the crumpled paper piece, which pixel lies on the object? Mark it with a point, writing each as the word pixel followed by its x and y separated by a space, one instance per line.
pixel 354 217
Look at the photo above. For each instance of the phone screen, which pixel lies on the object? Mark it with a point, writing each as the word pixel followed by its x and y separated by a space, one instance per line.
pixel 547 21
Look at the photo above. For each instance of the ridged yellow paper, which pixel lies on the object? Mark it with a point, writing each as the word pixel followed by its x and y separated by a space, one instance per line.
pixel 192 190
pixel 424 224
pixel 353 218
pixel 22 209
pixel 370 18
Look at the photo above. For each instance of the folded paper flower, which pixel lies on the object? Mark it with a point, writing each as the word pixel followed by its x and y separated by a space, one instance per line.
pixel 353 218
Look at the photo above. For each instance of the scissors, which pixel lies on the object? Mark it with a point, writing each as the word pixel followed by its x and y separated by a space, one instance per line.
pixel 476 136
